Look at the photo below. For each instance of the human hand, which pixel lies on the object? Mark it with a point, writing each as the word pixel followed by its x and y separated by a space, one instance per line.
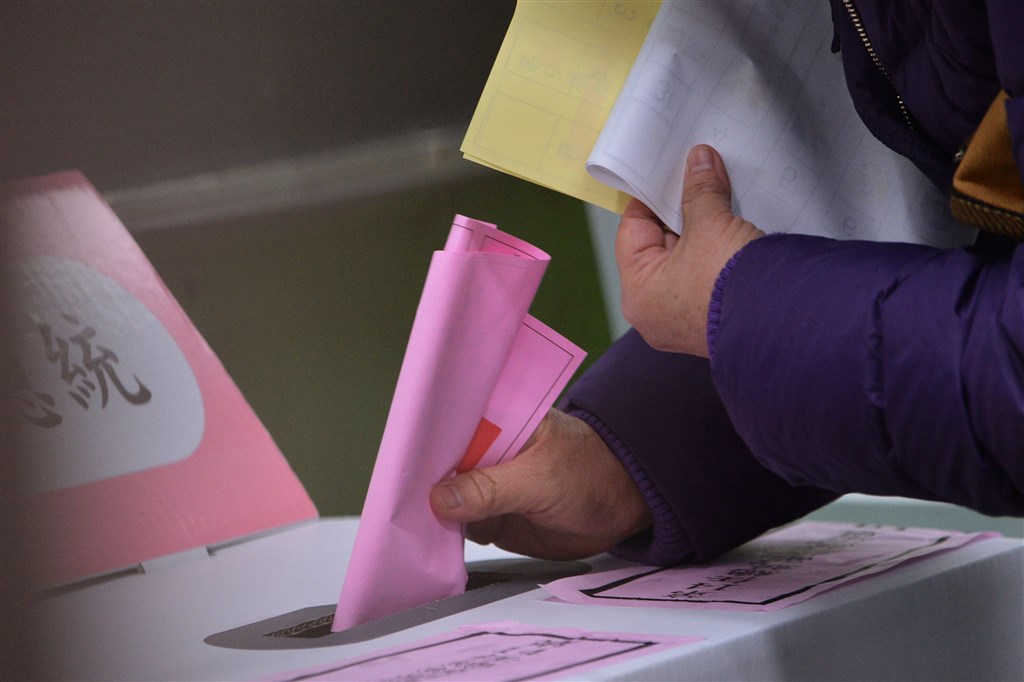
pixel 566 496
pixel 667 279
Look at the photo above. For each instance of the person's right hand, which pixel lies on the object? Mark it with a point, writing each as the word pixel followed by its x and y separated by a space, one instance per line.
pixel 565 496
pixel 667 281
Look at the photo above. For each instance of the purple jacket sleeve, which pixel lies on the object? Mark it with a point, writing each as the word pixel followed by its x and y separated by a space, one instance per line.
pixel 883 368
pixel 877 368
pixel 660 413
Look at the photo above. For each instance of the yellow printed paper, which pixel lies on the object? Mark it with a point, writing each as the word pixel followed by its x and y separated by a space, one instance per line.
pixel 553 84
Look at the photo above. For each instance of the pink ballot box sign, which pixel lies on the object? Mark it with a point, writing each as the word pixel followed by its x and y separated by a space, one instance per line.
pixel 106 378
pixel 136 442
pixel 478 376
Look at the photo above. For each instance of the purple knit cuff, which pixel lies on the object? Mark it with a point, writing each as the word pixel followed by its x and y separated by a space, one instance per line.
pixel 715 304
pixel 666 542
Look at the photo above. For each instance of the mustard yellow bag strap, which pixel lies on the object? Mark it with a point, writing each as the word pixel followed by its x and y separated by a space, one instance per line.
pixel 987 192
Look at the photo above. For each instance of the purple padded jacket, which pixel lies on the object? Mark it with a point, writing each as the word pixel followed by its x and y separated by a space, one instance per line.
pixel 838 367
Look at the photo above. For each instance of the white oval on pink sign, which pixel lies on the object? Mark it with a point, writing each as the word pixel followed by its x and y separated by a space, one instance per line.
pixel 101 387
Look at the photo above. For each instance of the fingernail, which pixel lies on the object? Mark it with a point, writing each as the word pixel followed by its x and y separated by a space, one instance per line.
pixel 450 496
pixel 701 159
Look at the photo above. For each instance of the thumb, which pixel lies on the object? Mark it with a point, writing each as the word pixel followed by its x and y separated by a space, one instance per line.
pixel 707 192
pixel 480 494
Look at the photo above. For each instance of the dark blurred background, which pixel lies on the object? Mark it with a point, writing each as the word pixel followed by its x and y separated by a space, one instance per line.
pixel 288 167
pixel 134 92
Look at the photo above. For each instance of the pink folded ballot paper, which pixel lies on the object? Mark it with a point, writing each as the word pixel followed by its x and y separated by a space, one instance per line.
pixel 478 376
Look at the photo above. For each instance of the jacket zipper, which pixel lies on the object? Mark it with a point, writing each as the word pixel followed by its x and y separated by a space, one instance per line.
pixel 858 25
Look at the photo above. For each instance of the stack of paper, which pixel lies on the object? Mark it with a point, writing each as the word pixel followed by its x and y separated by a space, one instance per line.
pixel 755 79
pixel 554 83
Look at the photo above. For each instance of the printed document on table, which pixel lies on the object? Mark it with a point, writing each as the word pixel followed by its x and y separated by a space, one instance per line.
pixel 758 81
pixel 780 569
pixel 496 651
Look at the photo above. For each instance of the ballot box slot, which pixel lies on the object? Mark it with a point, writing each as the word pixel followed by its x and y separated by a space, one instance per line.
pixel 318 627
pixel 310 627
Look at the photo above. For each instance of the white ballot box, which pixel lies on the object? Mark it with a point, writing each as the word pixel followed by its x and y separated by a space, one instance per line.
pixel 956 615
pixel 170 540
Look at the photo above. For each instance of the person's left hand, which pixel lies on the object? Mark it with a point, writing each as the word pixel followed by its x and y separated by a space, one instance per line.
pixel 565 496
pixel 667 280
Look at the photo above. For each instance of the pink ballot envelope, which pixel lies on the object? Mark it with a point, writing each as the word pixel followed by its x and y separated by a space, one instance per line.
pixel 478 376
